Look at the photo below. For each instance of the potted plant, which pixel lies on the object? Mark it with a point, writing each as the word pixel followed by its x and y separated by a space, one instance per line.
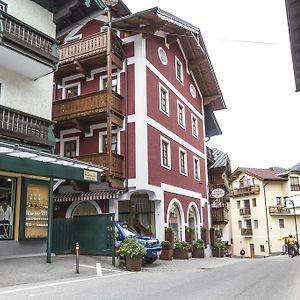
pixel 133 252
pixel 198 249
pixel 189 235
pixel 167 251
pixel 169 235
pixel 204 235
pixel 181 250
pixel 218 249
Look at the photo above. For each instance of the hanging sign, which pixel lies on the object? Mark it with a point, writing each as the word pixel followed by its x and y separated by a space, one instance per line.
pixel 217 193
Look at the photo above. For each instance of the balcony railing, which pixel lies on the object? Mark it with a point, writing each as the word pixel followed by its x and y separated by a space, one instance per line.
pixel 251 189
pixel 295 187
pixel 86 106
pixel 25 128
pixel 101 160
pixel 245 211
pixel 278 210
pixel 246 231
pixel 27 40
pixel 219 215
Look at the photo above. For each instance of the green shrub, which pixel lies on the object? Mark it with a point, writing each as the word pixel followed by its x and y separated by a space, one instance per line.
pixel 219 245
pixel 168 229
pixel 189 229
pixel 131 247
pixel 182 245
pixel 199 244
pixel 166 245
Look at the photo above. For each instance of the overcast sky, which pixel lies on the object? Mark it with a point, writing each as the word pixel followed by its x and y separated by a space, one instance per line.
pixel 248 44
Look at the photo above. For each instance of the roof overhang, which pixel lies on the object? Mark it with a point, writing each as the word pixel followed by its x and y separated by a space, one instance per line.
pixel 126 196
pixel 293 17
pixel 88 196
pixel 212 127
pixel 152 20
pixel 14 158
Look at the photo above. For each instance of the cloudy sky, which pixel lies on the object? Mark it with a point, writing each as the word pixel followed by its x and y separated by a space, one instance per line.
pixel 248 44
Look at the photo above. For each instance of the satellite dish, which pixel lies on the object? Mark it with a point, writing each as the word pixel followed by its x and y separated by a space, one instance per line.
pixel 111 2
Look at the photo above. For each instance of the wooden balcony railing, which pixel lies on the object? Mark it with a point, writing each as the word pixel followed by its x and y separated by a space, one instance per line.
pixel 101 160
pixel 251 189
pixel 245 211
pixel 85 106
pixel 295 187
pixel 26 128
pixel 246 231
pixel 219 215
pixel 27 39
pixel 278 210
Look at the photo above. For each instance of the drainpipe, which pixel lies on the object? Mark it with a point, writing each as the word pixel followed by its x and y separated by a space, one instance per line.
pixel 126 125
pixel 267 218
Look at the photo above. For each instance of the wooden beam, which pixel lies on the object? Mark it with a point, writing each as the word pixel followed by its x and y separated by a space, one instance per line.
pixel 210 99
pixel 81 125
pixel 150 29
pixel 171 39
pixel 81 69
pixel 116 61
pixel 196 62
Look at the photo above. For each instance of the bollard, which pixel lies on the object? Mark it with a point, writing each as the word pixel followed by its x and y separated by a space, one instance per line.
pixel 98 269
pixel 77 257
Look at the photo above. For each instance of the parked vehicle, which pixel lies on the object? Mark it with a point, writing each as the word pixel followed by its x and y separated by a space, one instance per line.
pixel 151 245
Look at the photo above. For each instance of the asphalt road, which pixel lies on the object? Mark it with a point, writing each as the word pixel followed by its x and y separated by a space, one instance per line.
pixel 270 278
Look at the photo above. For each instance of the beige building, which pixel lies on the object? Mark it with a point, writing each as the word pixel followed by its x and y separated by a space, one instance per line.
pixel 262 213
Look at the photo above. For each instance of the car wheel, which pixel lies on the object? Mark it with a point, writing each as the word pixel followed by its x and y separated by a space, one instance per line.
pixel 151 260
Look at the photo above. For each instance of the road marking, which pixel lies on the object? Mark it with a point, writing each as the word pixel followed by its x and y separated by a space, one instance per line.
pixel 61 283
pixel 92 267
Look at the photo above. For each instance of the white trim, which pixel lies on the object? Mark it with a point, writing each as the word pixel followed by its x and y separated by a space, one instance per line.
pixel 71 208
pixel 160 88
pixel 102 133
pixel 195 158
pixel 177 61
pixel 180 104
pixel 193 91
pixel 161 52
pixel 162 139
pixel 171 87
pixel 2 92
pixel 78 84
pixel 72 32
pixel 198 218
pixel 180 191
pixel 101 86
pixel 184 56
pixel 181 212
pixel 183 151
pixel 193 117
pixel 70 39
pixel 68 139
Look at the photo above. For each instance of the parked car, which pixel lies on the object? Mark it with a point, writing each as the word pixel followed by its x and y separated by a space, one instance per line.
pixel 151 245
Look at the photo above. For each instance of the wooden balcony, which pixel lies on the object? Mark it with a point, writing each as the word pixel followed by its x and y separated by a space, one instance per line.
pixel 87 108
pixel 88 53
pixel 295 187
pixel 210 156
pixel 245 211
pixel 101 160
pixel 219 215
pixel 26 128
pixel 248 190
pixel 279 210
pixel 19 41
pixel 246 232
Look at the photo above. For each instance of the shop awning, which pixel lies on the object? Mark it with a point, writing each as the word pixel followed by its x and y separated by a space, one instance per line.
pixel 87 196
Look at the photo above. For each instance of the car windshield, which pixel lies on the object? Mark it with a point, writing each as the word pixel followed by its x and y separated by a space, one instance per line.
pixel 128 230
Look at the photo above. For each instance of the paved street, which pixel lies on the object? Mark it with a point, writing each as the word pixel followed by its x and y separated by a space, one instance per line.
pixel 271 278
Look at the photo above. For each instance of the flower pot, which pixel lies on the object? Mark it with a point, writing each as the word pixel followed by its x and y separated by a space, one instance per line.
pixel 133 263
pixel 218 252
pixel 198 253
pixel 169 236
pixel 166 254
pixel 181 254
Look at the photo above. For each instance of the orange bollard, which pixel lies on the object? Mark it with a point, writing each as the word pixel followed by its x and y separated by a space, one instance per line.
pixel 77 257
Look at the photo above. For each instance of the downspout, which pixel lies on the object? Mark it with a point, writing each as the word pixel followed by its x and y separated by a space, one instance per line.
pixel 267 218
pixel 126 124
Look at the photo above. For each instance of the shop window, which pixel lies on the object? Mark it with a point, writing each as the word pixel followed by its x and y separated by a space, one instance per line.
pixel 193 222
pixel 70 148
pixel 175 221
pixel 7 205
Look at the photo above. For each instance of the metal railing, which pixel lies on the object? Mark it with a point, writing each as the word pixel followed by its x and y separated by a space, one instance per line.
pixel 245 211
pixel 278 210
pixel 246 231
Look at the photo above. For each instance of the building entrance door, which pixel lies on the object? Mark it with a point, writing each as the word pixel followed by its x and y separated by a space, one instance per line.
pixel 252 251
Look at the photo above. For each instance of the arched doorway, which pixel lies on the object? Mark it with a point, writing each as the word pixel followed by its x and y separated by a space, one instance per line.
pixel 193 221
pixel 83 208
pixel 175 221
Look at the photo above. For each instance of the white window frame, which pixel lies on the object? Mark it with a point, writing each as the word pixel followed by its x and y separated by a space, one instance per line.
pixel 2 92
pixel 193 117
pixel 62 144
pixel 101 85
pixel 102 133
pixel 65 87
pixel 161 87
pixel 162 139
pixel 196 160
pixel 185 161
pixel 177 61
pixel 179 104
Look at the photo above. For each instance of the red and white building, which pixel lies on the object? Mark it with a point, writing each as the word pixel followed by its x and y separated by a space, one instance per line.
pixel 137 96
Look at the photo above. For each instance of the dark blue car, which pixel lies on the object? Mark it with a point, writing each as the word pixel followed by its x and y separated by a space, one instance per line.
pixel 151 245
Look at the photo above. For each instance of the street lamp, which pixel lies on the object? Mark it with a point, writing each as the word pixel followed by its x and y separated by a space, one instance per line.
pixel 295 217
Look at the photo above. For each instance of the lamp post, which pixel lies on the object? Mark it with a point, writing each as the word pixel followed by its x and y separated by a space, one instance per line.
pixel 295 218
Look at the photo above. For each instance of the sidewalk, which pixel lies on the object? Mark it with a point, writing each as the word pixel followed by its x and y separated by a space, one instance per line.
pixel 35 269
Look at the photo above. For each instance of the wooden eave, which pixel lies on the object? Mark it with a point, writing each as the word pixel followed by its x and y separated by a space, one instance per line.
pixel 149 21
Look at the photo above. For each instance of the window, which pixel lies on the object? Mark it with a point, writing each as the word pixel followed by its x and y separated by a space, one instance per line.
pixel 281 223
pixel 71 90
pixel 238 204
pixel 295 186
pixel 253 202
pixel 7 206
pixel 196 169
pixel 248 223
pixel 164 100
pixel 240 224
pixel 114 143
pixel 165 153
pixel 3 6
pixel 278 201
pixel 247 203
pixel 70 148
pixel 255 223
pixel 179 70
pixel 181 114
pixel 182 162
pixel 194 126
pixel 262 248
pixel 114 84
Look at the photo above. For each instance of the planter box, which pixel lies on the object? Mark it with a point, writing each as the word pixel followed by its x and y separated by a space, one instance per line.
pixel 169 236
pixel 133 263
pixel 218 252
pixel 198 253
pixel 166 254
pixel 180 254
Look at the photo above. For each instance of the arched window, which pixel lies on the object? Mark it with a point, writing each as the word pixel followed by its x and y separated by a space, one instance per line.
pixel 193 221
pixel 175 221
pixel 84 209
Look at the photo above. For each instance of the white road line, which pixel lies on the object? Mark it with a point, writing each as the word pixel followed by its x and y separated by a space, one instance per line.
pixel 92 267
pixel 61 283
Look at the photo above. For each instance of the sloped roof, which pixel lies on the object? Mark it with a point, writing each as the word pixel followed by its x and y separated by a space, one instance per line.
pixel 221 159
pixel 262 174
